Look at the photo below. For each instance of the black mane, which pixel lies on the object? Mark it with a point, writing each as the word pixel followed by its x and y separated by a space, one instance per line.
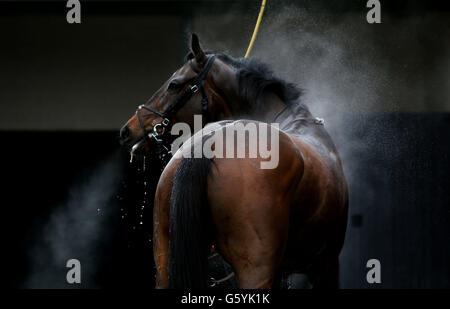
pixel 254 77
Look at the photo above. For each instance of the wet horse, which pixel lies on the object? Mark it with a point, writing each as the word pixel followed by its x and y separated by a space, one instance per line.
pixel 268 224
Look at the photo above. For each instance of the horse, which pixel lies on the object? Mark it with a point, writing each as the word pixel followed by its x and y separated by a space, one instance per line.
pixel 271 225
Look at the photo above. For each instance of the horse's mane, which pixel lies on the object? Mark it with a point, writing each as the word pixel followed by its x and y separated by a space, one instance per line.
pixel 254 77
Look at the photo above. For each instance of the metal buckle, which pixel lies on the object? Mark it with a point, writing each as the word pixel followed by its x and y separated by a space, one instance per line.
pixel 212 282
pixel 155 129
pixel 165 122
pixel 194 88
pixel 319 121
pixel 158 140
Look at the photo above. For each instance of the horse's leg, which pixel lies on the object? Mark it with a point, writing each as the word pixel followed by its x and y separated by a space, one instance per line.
pixel 298 281
pixel 161 224
pixel 251 242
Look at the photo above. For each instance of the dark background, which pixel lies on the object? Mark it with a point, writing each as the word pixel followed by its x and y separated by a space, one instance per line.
pixel 68 190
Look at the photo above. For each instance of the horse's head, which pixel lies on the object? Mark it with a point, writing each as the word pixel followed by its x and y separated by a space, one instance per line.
pixel 203 85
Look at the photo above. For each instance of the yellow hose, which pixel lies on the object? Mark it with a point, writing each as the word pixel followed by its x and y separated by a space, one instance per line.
pixel 255 32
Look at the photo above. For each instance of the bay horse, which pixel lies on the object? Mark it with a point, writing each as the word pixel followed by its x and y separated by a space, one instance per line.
pixel 268 224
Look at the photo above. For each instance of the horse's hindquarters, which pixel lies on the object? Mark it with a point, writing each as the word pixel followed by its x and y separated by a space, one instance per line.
pixel 250 210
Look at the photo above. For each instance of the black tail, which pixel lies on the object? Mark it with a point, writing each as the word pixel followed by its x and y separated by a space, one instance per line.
pixel 190 225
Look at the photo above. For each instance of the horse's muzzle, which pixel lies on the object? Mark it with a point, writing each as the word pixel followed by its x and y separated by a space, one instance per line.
pixel 124 135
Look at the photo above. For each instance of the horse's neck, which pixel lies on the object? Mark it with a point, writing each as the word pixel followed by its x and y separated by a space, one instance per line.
pixel 276 111
pixel 273 105
pixel 273 109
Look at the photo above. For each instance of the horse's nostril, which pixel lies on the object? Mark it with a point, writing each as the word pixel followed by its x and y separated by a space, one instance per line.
pixel 124 133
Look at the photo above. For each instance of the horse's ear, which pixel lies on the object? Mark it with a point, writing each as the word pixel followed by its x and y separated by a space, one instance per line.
pixel 196 49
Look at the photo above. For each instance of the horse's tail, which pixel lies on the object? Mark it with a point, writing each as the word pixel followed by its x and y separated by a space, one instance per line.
pixel 190 225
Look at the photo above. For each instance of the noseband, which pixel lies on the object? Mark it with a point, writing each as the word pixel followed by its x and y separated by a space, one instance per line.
pixel 160 129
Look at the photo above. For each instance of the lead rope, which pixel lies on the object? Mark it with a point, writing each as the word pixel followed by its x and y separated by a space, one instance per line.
pixel 214 282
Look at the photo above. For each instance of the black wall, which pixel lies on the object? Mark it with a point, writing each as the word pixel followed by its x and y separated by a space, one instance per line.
pixel 399 202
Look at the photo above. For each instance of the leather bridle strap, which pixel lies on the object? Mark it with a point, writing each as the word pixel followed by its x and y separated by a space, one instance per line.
pixel 141 123
pixel 197 83
pixel 152 110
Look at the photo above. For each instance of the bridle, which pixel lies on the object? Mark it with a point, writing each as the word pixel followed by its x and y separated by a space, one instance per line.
pixel 159 129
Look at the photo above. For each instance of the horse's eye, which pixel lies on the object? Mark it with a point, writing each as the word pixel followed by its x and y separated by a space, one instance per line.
pixel 174 86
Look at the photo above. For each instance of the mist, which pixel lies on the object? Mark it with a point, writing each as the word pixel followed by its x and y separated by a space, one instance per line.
pixel 76 229
pixel 348 69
